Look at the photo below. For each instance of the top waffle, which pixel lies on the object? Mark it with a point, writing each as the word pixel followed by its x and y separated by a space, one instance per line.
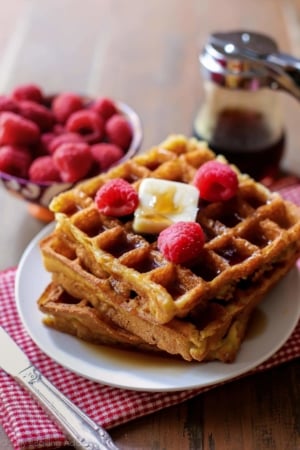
pixel 246 237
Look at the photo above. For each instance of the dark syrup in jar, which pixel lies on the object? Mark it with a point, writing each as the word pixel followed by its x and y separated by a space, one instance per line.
pixel 245 140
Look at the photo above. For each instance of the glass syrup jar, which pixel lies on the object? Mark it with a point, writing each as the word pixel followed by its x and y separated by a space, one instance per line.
pixel 241 117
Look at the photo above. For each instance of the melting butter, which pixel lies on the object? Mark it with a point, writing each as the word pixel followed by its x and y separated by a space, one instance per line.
pixel 163 202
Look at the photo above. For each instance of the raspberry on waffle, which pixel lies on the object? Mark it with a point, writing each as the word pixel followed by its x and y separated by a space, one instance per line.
pixel 198 310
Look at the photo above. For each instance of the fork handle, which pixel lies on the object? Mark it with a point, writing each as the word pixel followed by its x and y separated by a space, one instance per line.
pixel 83 433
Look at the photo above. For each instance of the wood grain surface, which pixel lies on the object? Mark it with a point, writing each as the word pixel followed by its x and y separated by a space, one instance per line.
pixel 146 54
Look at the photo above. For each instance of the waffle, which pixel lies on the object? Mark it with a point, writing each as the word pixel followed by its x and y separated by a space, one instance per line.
pixel 213 332
pixel 216 333
pixel 79 318
pixel 197 311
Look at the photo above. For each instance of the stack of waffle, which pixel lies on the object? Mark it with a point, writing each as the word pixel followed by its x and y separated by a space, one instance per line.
pixel 112 286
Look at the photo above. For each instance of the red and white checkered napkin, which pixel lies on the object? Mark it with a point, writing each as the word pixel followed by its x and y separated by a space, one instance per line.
pixel 29 427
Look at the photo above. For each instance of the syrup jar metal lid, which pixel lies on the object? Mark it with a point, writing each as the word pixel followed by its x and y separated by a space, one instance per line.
pixel 235 71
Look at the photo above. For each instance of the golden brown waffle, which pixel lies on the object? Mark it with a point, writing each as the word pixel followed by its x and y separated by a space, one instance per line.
pixel 244 235
pixel 251 242
pixel 177 337
pixel 78 317
pixel 212 332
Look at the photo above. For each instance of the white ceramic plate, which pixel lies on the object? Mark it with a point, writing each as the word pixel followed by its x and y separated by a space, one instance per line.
pixel 276 318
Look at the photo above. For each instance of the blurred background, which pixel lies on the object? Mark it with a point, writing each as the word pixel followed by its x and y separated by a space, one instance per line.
pixel 138 52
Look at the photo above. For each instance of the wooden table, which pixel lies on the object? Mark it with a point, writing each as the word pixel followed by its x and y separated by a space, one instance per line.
pixel 146 54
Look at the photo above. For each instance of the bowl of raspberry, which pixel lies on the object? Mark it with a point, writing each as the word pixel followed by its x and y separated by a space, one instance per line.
pixel 48 143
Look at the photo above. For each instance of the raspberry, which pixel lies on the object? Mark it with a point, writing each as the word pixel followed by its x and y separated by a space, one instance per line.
pixel 105 107
pixel 30 92
pixel 64 138
pixel 16 130
pixel 15 160
pixel 73 160
pixel 45 140
pixel 39 114
pixel 118 131
pixel 181 242
pixel 87 123
pixel 8 104
pixel 216 181
pixel 43 169
pixel 117 198
pixel 58 129
pixel 65 104
pixel 106 154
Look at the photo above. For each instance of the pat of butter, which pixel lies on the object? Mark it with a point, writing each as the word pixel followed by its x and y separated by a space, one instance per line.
pixel 163 202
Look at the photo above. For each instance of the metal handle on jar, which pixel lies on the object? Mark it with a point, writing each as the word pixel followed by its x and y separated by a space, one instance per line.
pixel 282 70
pixel 83 433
